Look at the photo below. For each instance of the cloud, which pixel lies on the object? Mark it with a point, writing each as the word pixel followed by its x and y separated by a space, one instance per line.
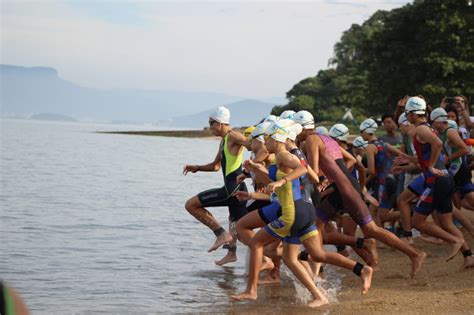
pixel 242 48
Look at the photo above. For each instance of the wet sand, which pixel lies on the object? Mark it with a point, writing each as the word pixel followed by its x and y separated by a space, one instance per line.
pixel 439 288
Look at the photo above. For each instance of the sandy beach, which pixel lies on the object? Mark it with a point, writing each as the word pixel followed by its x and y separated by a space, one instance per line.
pixel 439 287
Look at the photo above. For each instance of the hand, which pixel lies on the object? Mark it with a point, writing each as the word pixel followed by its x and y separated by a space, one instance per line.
pixel 402 102
pixel 323 185
pixel 396 170
pixel 443 103
pixel 402 159
pixel 273 186
pixel 243 195
pixel 190 168
pixel 240 178
pixel 249 164
pixel 437 172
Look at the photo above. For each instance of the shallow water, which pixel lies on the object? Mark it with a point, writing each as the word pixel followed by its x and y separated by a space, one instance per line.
pixel 95 223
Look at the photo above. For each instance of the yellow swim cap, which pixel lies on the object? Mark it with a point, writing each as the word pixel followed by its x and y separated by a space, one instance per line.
pixel 248 131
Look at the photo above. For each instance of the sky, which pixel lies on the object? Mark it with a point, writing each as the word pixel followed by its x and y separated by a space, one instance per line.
pixel 247 49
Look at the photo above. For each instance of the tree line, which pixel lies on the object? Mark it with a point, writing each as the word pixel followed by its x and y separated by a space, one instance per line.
pixel 425 47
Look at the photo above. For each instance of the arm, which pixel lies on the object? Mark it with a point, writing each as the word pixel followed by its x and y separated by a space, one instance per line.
pixel 424 134
pixel 348 158
pixel 312 152
pixel 393 150
pixel 456 141
pixel 261 156
pixel 362 171
pixel 237 140
pixel 287 160
pixel 211 167
pixel 371 151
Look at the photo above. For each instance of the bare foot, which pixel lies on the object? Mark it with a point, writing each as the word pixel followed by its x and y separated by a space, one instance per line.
pixel 431 239
pixel 408 240
pixel 269 279
pixel 416 263
pixel 371 246
pixel 244 296
pixel 366 276
pixel 455 248
pixel 267 264
pixel 221 240
pixel 230 257
pixel 468 262
pixel 318 302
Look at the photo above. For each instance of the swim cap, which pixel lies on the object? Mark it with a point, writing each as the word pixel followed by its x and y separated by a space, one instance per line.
pixel 452 124
pixel 221 114
pixel 305 119
pixel 403 120
pixel 369 125
pixel 259 131
pixel 439 114
pixel 295 130
pixel 287 114
pixel 359 142
pixel 271 118
pixel 321 130
pixel 416 105
pixel 248 131
pixel 280 130
pixel 339 131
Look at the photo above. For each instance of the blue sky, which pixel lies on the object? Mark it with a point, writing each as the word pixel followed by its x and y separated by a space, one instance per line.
pixel 249 49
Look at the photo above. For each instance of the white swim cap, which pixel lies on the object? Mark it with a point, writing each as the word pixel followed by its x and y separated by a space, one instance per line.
pixel 403 120
pixel 305 119
pixel 452 124
pixel 259 131
pixel 416 105
pixel 295 130
pixel 339 131
pixel 439 114
pixel 221 114
pixel 271 118
pixel 321 130
pixel 369 125
pixel 287 114
pixel 359 142
pixel 279 130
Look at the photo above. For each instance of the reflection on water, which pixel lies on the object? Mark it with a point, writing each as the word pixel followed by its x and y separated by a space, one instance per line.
pixel 95 223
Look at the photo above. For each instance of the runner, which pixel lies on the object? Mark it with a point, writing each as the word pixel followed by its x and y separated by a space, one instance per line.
pixel 319 150
pixel 229 158
pixel 437 185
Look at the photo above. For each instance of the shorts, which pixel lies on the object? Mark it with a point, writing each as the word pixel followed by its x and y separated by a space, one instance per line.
pixel 270 212
pixel 298 231
pixel 435 196
pixel 386 193
pixel 223 197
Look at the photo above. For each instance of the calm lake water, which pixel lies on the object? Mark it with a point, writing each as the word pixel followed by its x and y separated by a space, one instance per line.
pixel 95 223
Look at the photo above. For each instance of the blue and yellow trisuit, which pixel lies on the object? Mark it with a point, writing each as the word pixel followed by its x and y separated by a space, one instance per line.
pixel 296 222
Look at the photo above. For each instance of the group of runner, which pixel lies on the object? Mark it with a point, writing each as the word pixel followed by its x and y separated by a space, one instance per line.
pixel 312 187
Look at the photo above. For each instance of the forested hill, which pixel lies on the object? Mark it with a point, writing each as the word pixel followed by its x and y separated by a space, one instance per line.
pixel 426 48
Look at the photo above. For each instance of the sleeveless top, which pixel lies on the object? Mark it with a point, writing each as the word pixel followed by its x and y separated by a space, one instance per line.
pixel 231 164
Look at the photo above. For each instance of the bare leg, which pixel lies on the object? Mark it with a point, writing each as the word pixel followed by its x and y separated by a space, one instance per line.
pixel 403 205
pixel 317 253
pixel 466 223
pixel 232 246
pixel 290 257
pixel 195 208
pixel 446 221
pixel 417 257
pixel 419 222
pixel 386 215
pixel 256 254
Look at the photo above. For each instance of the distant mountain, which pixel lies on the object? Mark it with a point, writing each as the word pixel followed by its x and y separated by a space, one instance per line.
pixel 243 113
pixel 27 91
